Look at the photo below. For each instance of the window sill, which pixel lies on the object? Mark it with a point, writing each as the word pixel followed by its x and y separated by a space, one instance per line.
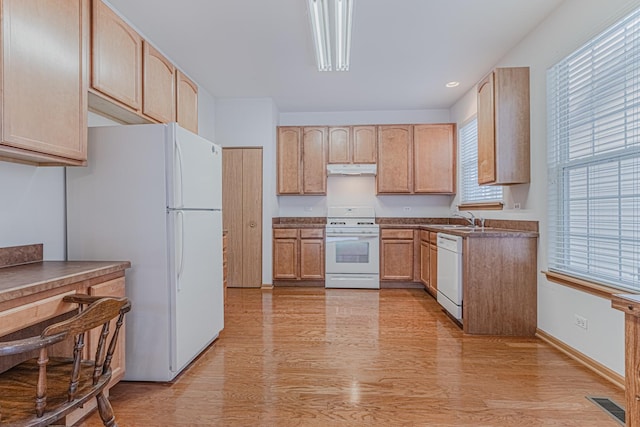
pixel 487 206
pixel 592 288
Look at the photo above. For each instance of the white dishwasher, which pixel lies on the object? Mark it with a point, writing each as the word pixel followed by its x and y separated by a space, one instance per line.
pixel 450 274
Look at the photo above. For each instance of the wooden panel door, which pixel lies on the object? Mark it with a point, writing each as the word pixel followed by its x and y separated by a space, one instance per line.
pixel 252 217
pixel 486 131
pixel 44 102
pixel 158 86
pixel 364 144
pixel 116 57
pixel 395 159
pixel 186 102
pixel 340 145
pixel 114 288
pixel 289 157
pixel 242 215
pixel 434 148
pixel 314 160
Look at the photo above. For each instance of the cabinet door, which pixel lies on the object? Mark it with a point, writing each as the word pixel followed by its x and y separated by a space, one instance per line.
pixel 434 158
pixel 44 80
pixel 114 288
pixel 395 159
pixel 424 263
pixel 339 145
pixel 186 102
pixel 116 57
pixel 311 259
pixel 285 254
pixel 486 132
pixel 396 255
pixel 158 86
pixel 363 144
pixel 433 266
pixel 314 160
pixel 289 160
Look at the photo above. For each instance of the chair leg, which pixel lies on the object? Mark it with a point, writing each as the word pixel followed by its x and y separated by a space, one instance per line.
pixel 106 411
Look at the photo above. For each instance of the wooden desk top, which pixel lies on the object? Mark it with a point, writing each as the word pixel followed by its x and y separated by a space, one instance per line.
pixel 27 279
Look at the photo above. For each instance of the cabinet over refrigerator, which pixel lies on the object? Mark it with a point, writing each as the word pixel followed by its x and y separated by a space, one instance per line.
pixel 151 194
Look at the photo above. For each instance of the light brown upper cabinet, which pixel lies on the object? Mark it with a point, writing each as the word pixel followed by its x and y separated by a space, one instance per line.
pixel 186 102
pixel 116 58
pixel 352 144
pixel 416 159
pixel 44 102
pixel 158 85
pixel 503 127
pixel 434 153
pixel 302 160
pixel 395 159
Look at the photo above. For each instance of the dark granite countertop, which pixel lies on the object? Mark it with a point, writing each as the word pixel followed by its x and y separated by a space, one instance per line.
pixel 493 228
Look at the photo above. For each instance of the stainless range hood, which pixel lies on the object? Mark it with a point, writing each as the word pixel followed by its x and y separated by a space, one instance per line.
pixel 351 169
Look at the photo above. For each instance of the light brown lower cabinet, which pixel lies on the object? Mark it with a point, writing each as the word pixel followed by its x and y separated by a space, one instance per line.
pixel 298 254
pixel 424 259
pixel 433 263
pixel 396 255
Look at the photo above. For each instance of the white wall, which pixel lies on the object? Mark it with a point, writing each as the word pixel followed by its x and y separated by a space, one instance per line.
pixel 32 208
pixel 251 122
pixel 352 191
pixel 566 29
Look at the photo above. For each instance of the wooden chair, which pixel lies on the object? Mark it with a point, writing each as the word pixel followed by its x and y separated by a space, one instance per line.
pixel 42 390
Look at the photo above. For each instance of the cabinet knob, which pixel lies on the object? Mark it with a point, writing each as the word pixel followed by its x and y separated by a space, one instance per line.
pixel 252 224
pixel 630 307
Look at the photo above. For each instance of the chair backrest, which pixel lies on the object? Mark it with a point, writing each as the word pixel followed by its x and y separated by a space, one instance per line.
pixel 86 377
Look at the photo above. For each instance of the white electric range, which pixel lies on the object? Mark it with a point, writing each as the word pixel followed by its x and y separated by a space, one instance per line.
pixel 352 248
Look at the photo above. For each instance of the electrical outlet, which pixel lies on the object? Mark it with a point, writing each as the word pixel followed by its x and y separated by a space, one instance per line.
pixel 580 321
pixel 407 208
pixel 516 206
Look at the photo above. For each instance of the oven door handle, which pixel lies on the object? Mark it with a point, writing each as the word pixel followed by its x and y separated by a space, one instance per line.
pixel 354 236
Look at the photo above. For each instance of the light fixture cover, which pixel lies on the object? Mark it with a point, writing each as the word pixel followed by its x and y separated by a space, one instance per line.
pixel 319 18
pixel 343 17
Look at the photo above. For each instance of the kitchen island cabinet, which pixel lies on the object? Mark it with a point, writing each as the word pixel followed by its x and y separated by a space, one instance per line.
pixel 44 105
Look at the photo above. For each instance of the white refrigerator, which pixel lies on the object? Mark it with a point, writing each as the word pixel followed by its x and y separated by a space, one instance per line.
pixel 152 195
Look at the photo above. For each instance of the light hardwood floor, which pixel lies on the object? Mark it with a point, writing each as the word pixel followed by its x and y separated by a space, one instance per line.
pixel 316 357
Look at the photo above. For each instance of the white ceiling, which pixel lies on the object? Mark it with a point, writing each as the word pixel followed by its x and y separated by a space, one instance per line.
pixel 402 54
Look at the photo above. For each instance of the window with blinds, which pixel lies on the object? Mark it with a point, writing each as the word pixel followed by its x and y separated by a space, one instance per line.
pixel 471 191
pixel 594 159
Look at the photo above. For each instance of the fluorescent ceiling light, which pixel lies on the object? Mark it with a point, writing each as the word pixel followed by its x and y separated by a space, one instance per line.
pixel 321 26
pixel 319 15
pixel 344 13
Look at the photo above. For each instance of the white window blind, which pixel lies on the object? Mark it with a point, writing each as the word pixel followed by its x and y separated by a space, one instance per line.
pixel 594 158
pixel 471 191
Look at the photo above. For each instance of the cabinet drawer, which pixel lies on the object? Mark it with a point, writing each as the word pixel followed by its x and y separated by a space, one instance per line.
pixel 424 235
pixel 18 318
pixel 390 233
pixel 285 233
pixel 312 233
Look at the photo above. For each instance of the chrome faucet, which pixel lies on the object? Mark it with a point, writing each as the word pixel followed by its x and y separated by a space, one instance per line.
pixel 471 218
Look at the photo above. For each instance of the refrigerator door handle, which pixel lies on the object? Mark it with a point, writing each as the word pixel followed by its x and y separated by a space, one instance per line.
pixel 180 251
pixel 180 185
